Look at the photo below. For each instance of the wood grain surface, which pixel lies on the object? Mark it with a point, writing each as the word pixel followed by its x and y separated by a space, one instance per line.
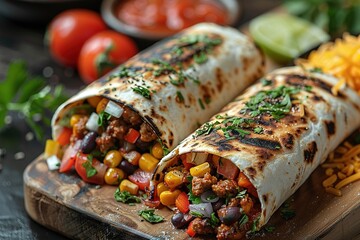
pixel 64 203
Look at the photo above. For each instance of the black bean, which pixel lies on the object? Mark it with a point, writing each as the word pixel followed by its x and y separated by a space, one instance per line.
pixel 229 215
pixel 89 142
pixel 143 146
pixel 127 167
pixel 217 205
pixel 180 220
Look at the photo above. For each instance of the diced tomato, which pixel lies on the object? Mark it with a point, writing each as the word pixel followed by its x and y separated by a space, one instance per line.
pixel 182 202
pixel 152 203
pixel 132 136
pixel 190 230
pixel 243 181
pixel 185 163
pixel 140 178
pixel 64 137
pixel 228 169
pixel 68 160
pixel 100 168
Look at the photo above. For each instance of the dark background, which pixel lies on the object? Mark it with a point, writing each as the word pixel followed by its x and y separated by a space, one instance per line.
pixel 24 40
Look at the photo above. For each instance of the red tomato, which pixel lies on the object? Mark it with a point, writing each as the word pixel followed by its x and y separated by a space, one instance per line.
pixel 190 230
pixel 227 168
pixel 68 32
pixel 140 178
pixel 69 157
pixel 182 202
pixel 64 137
pixel 100 168
pixel 103 52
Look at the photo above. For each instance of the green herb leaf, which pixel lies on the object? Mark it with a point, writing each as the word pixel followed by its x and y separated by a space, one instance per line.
pixel 179 96
pixel 255 224
pixel 201 104
pixel 214 221
pixel 196 214
pixel 150 216
pixel 243 220
pixel 241 194
pixel 104 117
pixel 142 91
pixel 258 130
pixel 103 61
pixel 90 170
pixel 194 199
pixel 125 197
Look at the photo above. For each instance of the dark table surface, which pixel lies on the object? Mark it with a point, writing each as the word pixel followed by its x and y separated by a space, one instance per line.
pixel 24 40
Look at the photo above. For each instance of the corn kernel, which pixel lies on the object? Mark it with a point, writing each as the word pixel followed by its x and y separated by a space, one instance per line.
pixel 161 187
pixel 101 105
pixel 168 198
pixel 113 176
pixel 94 101
pixel 173 178
pixel 157 151
pixel 75 119
pixel 51 148
pixel 200 170
pixel 147 162
pixel 113 158
pixel 126 185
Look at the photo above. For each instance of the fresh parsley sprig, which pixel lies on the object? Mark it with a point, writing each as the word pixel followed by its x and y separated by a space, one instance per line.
pixel 150 216
pixel 126 197
pixel 29 96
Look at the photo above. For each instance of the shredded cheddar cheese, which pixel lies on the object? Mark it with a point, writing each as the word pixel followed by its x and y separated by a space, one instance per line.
pixel 340 58
pixel 342 167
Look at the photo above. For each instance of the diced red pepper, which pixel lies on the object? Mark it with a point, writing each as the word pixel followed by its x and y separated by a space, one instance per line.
pixel 132 136
pixel 182 202
pixel 190 230
pixel 64 137
pixel 68 159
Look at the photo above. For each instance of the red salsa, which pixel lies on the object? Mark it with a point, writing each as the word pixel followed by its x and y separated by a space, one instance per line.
pixel 170 15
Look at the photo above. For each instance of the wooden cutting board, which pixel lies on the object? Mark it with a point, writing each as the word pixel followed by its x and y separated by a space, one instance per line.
pixel 64 203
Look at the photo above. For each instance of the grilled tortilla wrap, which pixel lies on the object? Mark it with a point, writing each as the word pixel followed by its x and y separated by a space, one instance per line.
pixel 179 83
pixel 277 153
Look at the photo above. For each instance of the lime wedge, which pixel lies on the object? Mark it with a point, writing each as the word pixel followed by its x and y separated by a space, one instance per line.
pixel 284 37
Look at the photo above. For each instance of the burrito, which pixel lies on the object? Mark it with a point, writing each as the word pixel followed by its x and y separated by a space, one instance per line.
pixel 119 127
pixel 229 176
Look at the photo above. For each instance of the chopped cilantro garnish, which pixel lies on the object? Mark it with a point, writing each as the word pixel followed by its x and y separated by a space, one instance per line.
pixel 316 70
pixel 243 220
pixel 179 96
pixel 90 170
pixel 145 92
pixel 214 221
pixel 196 214
pixel 255 224
pixel 150 216
pixel 201 104
pixel 104 117
pixel 241 194
pixel 258 130
pixel 125 197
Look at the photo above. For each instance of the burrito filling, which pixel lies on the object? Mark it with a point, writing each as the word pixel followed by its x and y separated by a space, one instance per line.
pixel 108 142
pixel 209 195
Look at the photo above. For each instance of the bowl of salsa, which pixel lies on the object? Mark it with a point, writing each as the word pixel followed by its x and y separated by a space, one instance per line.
pixel 156 19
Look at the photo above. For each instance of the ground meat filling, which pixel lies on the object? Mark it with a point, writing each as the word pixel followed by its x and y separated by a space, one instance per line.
pixel 147 134
pixel 233 232
pixel 202 226
pixel 117 128
pixel 225 188
pixel 79 129
pixel 131 117
pixel 200 185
